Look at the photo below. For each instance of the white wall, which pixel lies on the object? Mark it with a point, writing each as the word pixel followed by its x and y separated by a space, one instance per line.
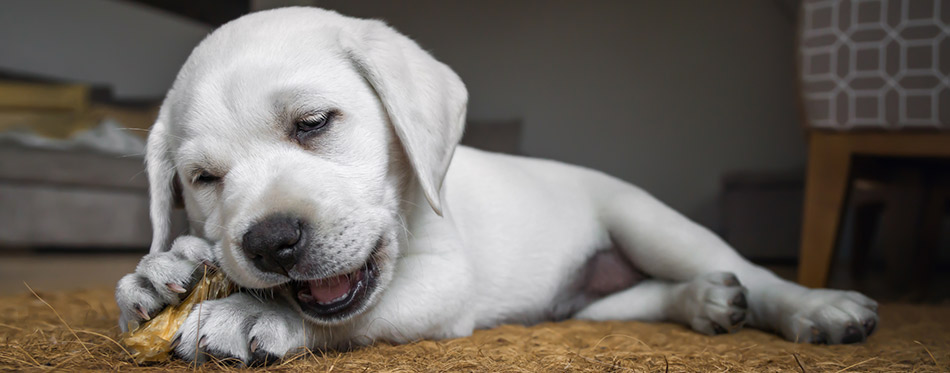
pixel 665 94
pixel 135 49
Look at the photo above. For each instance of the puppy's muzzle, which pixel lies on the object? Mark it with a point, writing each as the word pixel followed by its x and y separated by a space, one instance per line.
pixel 273 243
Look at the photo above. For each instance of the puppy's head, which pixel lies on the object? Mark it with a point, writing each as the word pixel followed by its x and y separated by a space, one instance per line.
pixel 296 135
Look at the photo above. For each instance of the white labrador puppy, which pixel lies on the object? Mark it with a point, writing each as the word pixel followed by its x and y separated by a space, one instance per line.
pixel 318 162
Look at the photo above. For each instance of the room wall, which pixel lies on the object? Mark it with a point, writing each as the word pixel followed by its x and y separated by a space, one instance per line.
pixel 135 49
pixel 665 94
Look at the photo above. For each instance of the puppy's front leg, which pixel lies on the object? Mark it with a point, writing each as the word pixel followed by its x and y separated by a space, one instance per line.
pixel 429 296
pixel 668 246
pixel 426 300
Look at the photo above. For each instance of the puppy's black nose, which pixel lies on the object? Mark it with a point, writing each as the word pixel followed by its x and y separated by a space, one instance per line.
pixel 271 243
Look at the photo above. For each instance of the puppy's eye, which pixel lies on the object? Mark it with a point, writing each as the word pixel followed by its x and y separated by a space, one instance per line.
pixel 206 178
pixel 314 122
pixel 311 125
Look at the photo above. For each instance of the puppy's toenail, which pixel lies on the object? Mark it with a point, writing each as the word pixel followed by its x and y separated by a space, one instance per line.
pixel 731 281
pixel 254 345
pixel 818 336
pixel 203 342
pixel 852 335
pixel 718 329
pixel 139 309
pixel 739 301
pixel 176 288
pixel 869 326
pixel 736 317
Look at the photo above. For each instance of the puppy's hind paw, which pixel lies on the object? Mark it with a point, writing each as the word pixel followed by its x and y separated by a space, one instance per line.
pixel 827 316
pixel 715 303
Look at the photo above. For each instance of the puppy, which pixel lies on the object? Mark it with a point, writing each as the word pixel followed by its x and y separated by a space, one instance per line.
pixel 317 160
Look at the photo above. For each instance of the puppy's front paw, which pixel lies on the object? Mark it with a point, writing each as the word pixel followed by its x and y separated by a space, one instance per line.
pixel 830 316
pixel 714 303
pixel 241 329
pixel 161 279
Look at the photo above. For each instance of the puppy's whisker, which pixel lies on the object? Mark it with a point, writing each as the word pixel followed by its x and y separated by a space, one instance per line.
pixel 221 227
pixel 258 294
pixel 396 330
pixel 408 202
pixel 170 170
pixel 131 129
pixel 405 228
pixel 149 130
pixel 136 175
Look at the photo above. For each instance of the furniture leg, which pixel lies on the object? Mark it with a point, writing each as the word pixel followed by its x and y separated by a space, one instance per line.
pixel 826 186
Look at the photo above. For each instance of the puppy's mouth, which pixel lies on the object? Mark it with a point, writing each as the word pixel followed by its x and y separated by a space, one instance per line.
pixel 337 297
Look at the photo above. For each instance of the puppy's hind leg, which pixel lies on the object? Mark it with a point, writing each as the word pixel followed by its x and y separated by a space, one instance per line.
pixel 714 303
pixel 667 245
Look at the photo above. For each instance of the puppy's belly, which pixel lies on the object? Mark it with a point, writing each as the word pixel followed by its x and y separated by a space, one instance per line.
pixel 606 272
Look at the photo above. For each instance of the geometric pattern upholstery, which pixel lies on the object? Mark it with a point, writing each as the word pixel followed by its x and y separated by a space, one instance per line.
pixel 875 63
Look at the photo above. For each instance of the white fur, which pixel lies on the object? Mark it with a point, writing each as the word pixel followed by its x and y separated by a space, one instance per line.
pixel 472 239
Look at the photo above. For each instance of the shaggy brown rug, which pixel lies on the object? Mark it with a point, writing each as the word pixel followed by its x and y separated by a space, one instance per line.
pixel 77 331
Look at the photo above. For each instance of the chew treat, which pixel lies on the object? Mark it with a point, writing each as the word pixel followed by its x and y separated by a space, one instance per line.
pixel 151 341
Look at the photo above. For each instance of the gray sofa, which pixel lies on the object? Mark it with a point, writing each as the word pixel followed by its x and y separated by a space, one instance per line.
pixel 72 199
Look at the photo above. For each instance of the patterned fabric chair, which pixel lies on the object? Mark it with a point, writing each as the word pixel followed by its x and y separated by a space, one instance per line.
pixel 875 80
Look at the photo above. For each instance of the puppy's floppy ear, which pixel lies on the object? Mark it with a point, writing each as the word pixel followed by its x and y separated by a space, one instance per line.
pixel 424 98
pixel 162 189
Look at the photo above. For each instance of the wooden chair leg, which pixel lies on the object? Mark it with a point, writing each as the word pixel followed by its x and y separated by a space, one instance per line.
pixel 826 186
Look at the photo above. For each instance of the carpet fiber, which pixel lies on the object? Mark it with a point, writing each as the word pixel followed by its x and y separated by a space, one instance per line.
pixel 34 334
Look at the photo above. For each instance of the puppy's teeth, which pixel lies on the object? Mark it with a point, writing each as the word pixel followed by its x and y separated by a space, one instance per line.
pixel 142 313
pixel 305 296
pixel 176 288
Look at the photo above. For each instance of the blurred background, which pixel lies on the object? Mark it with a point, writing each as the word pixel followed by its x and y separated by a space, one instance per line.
pixel 811 136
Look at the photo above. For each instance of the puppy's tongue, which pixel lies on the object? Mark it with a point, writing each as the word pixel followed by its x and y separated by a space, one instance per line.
pixel 330 289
